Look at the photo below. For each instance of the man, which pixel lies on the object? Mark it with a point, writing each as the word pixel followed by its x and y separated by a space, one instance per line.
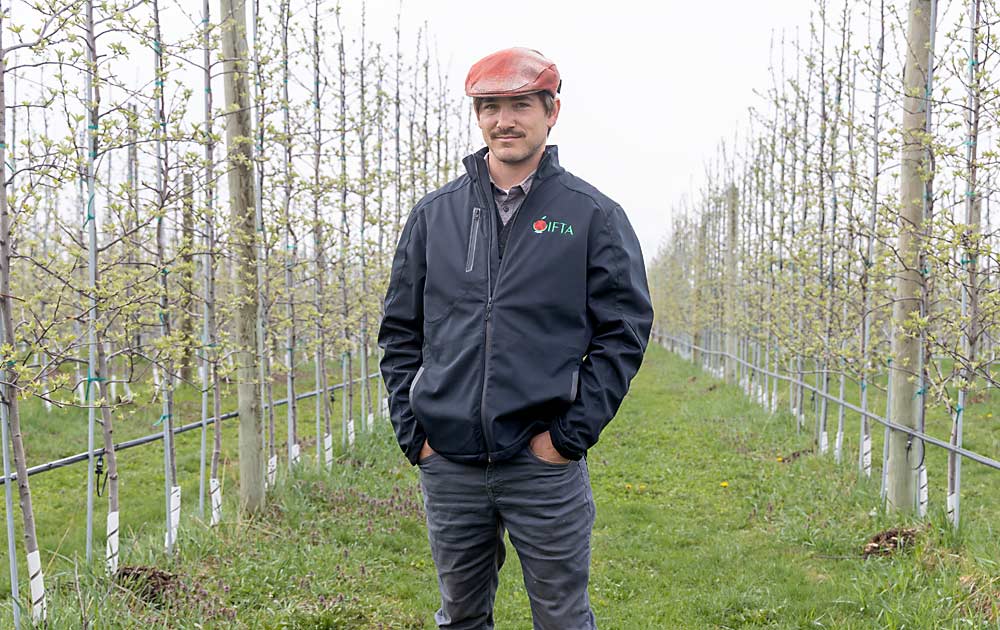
pixel 517 313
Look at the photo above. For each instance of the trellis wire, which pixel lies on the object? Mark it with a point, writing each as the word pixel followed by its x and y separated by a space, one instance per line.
pixel 976 457
pixel 73 459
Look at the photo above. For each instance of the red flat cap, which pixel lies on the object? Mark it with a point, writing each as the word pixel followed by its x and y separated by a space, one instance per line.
pixel 512 72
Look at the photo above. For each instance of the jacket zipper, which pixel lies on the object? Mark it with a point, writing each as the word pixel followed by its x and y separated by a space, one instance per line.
pixel 483 424
pixel 470 258
pixel 413 383
pixel 490 289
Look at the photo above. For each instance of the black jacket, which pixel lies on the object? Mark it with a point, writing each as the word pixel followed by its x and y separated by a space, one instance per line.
pixel 482 355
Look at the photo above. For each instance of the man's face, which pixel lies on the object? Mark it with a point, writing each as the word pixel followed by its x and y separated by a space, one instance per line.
pixel 515 127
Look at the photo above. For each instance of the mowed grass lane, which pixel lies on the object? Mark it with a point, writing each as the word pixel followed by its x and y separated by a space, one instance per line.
pixel 698 526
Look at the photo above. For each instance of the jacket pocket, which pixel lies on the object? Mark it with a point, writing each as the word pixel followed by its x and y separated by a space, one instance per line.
pixel 470 257
pixel 413 385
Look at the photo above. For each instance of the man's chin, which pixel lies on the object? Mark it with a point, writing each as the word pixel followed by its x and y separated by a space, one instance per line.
pixel 509 157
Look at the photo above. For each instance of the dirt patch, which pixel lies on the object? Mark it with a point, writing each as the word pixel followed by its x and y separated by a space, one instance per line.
pixel 984 596
pixel 151 585
pixel 888 541
pixel 791 457
pixel 171 591
pixel 978 397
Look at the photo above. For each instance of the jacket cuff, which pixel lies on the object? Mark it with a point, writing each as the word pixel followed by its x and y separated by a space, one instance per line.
pixel 561 444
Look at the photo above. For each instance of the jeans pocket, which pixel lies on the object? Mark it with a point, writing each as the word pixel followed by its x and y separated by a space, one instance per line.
pixel 430 458
pixel 545 462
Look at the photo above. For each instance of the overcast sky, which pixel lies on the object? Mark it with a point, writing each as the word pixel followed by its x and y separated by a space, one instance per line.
pixel 649 88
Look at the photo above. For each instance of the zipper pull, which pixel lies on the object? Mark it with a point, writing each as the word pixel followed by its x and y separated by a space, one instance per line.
pixel 489 307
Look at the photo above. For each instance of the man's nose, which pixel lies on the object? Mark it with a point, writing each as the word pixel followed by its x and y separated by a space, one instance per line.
pixel 505 119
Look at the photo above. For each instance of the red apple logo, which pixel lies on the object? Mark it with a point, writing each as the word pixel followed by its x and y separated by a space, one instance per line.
pixel 539 225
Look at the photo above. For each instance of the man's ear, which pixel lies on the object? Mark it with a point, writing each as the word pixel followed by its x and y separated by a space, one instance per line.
pixel 556 106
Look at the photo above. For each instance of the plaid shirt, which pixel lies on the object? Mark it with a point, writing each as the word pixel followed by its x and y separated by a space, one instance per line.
pixel 508 201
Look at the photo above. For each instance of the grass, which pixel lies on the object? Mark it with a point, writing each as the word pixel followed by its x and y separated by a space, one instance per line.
pixel 59 496
pixel 698 526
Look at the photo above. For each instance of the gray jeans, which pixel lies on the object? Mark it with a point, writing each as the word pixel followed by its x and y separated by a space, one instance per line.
pixel 548 511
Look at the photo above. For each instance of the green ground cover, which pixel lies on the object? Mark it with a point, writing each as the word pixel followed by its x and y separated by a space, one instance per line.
pixel 698 526
pixel 59 496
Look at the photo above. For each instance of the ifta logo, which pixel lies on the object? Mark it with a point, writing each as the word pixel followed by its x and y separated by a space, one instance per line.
pixel 541 225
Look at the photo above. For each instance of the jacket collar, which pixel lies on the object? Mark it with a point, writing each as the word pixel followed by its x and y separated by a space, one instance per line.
pixel 475 164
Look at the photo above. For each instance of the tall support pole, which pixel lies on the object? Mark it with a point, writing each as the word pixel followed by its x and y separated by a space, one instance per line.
pixel 731 203
pixel 901 491
pixel 241 170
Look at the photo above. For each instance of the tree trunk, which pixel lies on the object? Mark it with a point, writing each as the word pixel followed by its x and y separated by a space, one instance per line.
pixel 362 138
pixel 324 446
pixel 865 445
pixel 8 389
pixel 347 412
pixel 210 365
pixel 187 278
pixel 291 407
pixel 971 239
pixel 166 357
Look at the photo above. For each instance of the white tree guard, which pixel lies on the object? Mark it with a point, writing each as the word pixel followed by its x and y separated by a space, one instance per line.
pixel 296 451
pixel 385 406
pixel 215 491
pixel 371 421
pixel 38 606
pixel 350 431
pixel 111 553
pixel 272 470
pixel 328 448
pixel 824 443
pixel 170 537
pixel 867 456
pixel 924 495
pixel 951 505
